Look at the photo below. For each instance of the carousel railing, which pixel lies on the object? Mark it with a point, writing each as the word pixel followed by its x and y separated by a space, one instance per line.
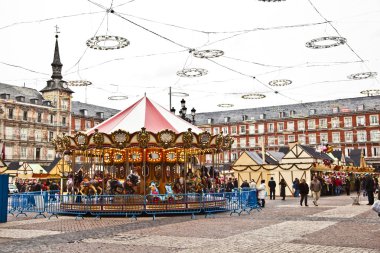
pixel 133 205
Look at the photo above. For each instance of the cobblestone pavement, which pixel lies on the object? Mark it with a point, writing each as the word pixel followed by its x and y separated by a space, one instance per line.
pixel 282 226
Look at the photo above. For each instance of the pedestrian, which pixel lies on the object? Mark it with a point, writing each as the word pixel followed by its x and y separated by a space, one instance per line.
pixel 357 185
pixel 229 185
pixel 252 184
pixel 244 184
pixel 282 188
pixel 272 188
pixel 236 184
pixel 296 183
pixel 369 187
pixel 304 191
pixel 348 186
pixel 315 187
pixel 262 193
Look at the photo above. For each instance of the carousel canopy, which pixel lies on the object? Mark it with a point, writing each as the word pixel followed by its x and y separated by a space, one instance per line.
pixel 145 113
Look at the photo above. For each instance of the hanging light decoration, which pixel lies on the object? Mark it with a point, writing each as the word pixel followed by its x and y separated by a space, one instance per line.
pixel 79 83
pixel 209 53
pixel 374 92
pixel 253 96
pixel 116 42
pixel 280 82
pixel 117 97
pixel 193 72
pixel 179 94
pixel 336 41
pixel 363 75
pixel 225 105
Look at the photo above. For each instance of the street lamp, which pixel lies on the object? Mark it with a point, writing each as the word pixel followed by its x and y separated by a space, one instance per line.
pixel 183 110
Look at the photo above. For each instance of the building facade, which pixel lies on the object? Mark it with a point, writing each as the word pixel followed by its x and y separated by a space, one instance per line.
pixel 344 124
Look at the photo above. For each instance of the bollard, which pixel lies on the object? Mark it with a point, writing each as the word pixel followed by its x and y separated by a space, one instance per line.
pixel 3 198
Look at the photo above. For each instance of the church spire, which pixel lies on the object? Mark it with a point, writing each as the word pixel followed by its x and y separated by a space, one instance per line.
pixel 56 65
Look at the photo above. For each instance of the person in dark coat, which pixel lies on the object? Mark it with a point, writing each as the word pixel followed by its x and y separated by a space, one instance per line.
pixel 304 191
pixel 244 184
pixel 348 186
pixel 272 188
pixel 282 188
pixel 369 187
pixel 236 184
pixel 229 186
pixel 357 185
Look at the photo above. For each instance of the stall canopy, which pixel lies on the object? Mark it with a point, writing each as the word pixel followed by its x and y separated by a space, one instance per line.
pixel 145 113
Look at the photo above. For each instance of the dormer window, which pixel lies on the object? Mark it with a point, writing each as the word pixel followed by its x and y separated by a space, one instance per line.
pixel 262 116
pixel 244 117
pixel 335 109
pixel 360 107
pixel 83 112
pixel 100 115
pixel 312 111
pixel 227 119
pixel 281 115
pixel 210 120
pixel 46 102
pixel 34 100
pixel 292 113
pixel 20 98
pixel 5 96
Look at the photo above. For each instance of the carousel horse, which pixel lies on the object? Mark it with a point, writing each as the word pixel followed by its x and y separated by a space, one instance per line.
pixel 87 188
pixel 114 187
pixel 71 188
pixel 96 182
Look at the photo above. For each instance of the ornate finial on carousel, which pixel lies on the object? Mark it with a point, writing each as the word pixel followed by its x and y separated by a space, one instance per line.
pixel 96 130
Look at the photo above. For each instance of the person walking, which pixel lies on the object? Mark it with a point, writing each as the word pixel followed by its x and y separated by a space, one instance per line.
pixel 282 188
pixel 304 191
pixel 272 188
pixel 262 193
pixel 348 186
pixel 296 183
pixel 357 185
pixel 244 184
pixel 315 187
pixel 369 187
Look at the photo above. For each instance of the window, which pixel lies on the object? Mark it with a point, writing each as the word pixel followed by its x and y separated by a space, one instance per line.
pixel 65 104
pixel 262 116
pixel 364 150
pixel 322 123
pixel 234 156
pixel 23 153
pixel 234 144
pixel 335 110
pixel 37 135
pixel 376 151
pixel 375 135
pixel 312 139
pixel 25 115
pixel 260 129
pixel 302 139
pixel 311 124
pixel 8 133
pixel 51 136
pixel 260 140
pixel 347 121
pixel 216 130
pixel 348 137
pixel 271 141
pixel 336 137
pixel 280 126
pixel 324 138
pixel 50 154
pixel 243 143
pixel 225 130
pixel 77 125
pixel 233 130
pixel 209 120
pixel 291 138
pixel 281 140
pixel 281 115
pixel 374 120
pixel 361 136
pixel 39 117
pixel 38 153
pixel 242 129
pixel 10 113
pixel 51 118
pixel 360 107
pixel 301 125
pixel 252 142
pixel 24 134
pixel 63 121
pixel 292 113
pixel 88 124
pixel 335 122
pixel 290 125
pixel 360 121
pixel 312 111
pixel 270 128
pixel 252 129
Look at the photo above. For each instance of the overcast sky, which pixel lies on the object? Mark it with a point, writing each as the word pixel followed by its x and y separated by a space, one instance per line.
pixel 261 41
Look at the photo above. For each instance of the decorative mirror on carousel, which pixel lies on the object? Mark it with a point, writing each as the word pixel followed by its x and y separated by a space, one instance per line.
pixel 157 171
pixel 154 156
pixel 171 157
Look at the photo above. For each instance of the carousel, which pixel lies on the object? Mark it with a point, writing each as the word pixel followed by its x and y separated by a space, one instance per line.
pixel 144 153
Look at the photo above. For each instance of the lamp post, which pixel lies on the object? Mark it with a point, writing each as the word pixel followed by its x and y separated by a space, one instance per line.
pixel 183 110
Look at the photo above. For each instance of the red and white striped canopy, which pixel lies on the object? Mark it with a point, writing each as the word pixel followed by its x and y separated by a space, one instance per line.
pixel 148 114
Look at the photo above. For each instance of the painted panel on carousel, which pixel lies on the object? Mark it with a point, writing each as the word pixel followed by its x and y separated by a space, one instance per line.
pixel 171 157
pixel 135 156
pixel 166 138
pixel 119 157
pixel 154 156
pixel 120 138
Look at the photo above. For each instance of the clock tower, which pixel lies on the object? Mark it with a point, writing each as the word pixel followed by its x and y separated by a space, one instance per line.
pixel 59 94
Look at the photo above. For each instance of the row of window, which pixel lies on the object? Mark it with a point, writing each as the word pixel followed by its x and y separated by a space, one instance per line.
pixel 361 136
pixel 29 153
pixel 39 117
pixel 302 125
pixel 24 134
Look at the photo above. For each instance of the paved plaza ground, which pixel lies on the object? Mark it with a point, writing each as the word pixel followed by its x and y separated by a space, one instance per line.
pixel 282 226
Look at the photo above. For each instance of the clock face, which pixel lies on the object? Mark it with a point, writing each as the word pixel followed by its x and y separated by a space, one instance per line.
pixel 65 85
